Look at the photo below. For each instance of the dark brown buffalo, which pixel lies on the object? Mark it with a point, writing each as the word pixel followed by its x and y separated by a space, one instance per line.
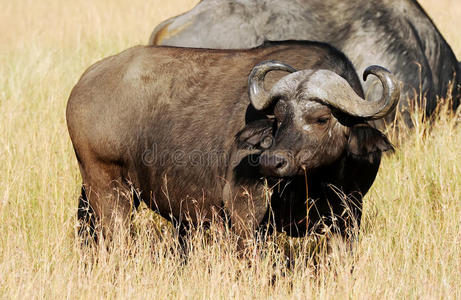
pixel 176 126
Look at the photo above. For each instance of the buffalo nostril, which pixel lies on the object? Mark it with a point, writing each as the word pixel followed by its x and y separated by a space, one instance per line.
pixel 274 164
pixel 281 163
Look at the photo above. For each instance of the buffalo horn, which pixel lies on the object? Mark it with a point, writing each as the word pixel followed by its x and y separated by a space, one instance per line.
pixel 330 88
pixel 258 95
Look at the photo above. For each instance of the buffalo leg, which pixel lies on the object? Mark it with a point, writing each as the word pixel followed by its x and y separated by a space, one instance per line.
pixel 247 208
pixel 182 230
pixel 108 196
pixel 86 219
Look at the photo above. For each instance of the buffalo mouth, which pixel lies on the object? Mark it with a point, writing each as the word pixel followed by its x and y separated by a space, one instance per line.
pixel 278 164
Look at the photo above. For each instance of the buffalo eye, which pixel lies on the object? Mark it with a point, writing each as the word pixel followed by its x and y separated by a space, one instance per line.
pixel 319 120
pixel 322 120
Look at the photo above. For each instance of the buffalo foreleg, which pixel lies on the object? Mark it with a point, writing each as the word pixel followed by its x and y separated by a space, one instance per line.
pixel 247 207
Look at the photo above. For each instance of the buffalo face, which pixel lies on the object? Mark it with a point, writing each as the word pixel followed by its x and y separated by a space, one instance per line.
pixel 317 117
pixel 307 135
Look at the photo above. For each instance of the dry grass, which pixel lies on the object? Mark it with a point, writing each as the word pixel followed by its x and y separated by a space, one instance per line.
pixel 409 244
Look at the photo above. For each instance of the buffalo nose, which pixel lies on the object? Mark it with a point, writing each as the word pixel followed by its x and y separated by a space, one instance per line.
pixel 273 164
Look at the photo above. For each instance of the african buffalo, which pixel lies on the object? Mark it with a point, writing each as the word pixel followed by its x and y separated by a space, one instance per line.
pixel 396 34
pixel 176 126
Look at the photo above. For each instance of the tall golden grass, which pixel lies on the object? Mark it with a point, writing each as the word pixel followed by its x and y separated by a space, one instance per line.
pixel 408 247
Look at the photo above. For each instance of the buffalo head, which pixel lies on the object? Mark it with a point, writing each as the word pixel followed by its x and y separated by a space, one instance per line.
pixel 317 117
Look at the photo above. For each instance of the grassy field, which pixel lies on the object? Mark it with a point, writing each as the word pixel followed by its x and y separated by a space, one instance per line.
pixel 409 245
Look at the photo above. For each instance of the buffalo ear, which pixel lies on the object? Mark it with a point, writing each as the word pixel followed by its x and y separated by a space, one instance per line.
pixel 247 148
pixel 366 141
pixel 251 136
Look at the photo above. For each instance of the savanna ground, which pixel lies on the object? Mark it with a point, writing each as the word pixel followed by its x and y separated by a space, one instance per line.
pixel 409 244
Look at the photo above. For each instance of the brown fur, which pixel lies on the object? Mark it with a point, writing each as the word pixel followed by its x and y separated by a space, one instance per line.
pixel 162 121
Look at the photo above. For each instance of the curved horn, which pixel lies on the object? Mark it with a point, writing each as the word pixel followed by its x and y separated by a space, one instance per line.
pixel 334 90
pixel 258 95
pixel 391 90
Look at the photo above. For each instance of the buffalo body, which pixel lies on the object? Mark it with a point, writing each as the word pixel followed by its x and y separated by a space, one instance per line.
pixel 174 127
